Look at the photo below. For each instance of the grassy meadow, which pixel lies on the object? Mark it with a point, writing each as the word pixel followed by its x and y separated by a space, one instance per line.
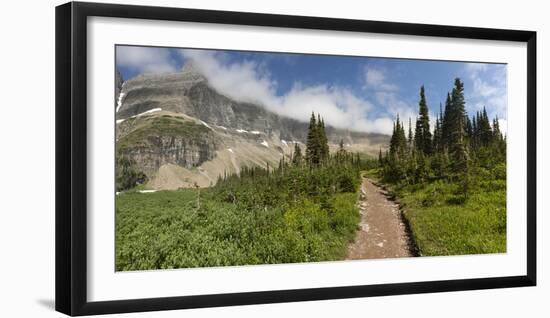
pixel 287 215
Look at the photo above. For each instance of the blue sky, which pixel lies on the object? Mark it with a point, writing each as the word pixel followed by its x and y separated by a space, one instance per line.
pixel 360 93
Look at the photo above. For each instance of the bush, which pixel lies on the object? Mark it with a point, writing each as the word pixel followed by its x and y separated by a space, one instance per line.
pixel 346 183
pixel 306 218
pixel 127 174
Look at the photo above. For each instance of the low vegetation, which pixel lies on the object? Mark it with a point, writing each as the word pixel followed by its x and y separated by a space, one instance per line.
pixel 127 174
pixel 147 128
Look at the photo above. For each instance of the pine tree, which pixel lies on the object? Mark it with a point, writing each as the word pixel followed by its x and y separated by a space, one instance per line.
pixel 402 141
pixel 312 145
pixel 474 137
pixel 418 138
pixel 497 134
pixel 437 136
pixel 445 123
pixel 499 141
pixel 398 141
pixel 410 137
pixel 460 144
pixel 323 141
pixel 393 139
pixel 485 130
pixel 457 145
pixel 438 133
pixel 423 135
pixel 468 128
pixel 297 156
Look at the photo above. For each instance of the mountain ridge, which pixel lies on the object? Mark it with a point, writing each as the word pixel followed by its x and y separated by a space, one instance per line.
pixel 158 117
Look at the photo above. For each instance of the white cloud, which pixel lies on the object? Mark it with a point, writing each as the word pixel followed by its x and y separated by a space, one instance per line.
pixel 476 67
pixel 488 89
pixel 249 81
pixel 145 59
pixel 245 81
pixel 483 88
pixel 375 79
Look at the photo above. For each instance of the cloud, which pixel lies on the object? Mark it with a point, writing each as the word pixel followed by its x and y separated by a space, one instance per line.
pixel 488 89
pixel 476 67
pixel 250 81
pixel 375 79
pixel 145 59
pixel 246 81
pixel 395 105
pixel 388 99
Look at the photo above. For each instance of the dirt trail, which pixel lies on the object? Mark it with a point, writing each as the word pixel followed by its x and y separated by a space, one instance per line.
pixel 382 233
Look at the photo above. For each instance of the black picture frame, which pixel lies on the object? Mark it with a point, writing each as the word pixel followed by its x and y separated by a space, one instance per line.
pixel 71 157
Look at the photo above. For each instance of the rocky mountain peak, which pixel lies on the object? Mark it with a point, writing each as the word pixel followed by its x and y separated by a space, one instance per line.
pixel 191 71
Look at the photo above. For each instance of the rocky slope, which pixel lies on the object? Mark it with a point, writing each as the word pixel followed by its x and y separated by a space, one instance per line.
pixel 179 130
pixel 118 86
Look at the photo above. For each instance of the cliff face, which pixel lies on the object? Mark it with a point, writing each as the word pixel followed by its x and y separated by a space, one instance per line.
pixel 156 139
pixel 181 151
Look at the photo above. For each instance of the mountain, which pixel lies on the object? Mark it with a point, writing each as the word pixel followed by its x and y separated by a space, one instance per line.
pixel 118 86
pixel 179 130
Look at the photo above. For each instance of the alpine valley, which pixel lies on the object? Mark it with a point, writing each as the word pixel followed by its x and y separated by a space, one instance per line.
pixel 180 132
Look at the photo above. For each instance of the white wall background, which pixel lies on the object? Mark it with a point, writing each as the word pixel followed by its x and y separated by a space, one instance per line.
pixel 27 158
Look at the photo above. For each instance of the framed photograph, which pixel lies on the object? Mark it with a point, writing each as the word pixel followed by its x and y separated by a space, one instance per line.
pixel 208 158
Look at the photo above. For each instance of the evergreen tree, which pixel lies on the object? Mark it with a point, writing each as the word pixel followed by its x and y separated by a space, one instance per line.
pixel 445 124
pixel 437 136
pixel 323 141
pixel 418 138
pixel 393 139
pixel 461 147
pixel 312 145
pixel 297 156
pixel 497 135
pixel 438 133
pixel 457 145
pixel 499 141
pixel 410 137
pixel 485 130
pixel 474 137
pixel 341 153
pixel 398 141
pixel 468 128
pixel 423 135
